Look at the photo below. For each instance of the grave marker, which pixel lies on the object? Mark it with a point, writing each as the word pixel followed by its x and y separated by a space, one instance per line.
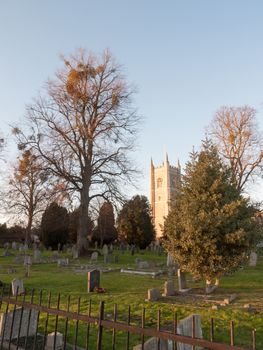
pixel 17 287
pixel 93 280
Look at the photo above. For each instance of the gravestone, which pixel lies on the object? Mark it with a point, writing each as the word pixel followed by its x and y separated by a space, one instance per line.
pixel 105 249
pixel 6 245
pixel 170 260
pixel 106 259
pixel 168 288
pixel 181 280
pixel 63 262
pixel 6 252
pixel 17 287
pixel 14 245
pixel 93 280
pixel 14 317
pixel 75 253
pixel 37 255
pixel 253 259
pixel 27 260
pixel 21 247
pixel 153 294
pixel 143 265
pixel 94 256
pixel 116 258
pixel 185 328
pixel 50 343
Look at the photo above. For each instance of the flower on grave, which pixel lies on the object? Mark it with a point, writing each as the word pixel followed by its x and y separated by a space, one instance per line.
pixel 99 290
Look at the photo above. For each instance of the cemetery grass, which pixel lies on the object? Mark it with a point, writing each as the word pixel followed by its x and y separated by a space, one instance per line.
pixel 125 289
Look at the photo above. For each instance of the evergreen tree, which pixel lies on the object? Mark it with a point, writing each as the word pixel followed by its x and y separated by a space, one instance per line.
pixel 105 232
pixel 134 223
pixel 55 225
pixel 210 228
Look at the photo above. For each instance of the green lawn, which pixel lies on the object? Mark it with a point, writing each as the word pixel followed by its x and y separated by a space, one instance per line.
pixel 125 290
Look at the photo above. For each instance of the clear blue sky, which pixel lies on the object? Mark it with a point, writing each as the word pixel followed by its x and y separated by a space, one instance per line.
pixel 187 58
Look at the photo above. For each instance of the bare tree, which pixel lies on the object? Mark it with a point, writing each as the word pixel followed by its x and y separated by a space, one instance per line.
pixel 235 132
pixel 84 128
pixel 27 193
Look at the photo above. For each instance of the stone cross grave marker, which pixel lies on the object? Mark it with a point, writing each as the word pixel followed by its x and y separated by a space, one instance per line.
pixel 185 328
pixel 19 319
pixel 17 287
pixel 93 280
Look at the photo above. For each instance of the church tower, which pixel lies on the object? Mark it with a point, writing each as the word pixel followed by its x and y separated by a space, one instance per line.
pixel 164 182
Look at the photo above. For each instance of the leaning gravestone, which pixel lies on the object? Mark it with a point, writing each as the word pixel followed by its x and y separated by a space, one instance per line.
pixel 185 327
pixel 93 280
pixel 17 287
pixel 19 319
pixel 253 259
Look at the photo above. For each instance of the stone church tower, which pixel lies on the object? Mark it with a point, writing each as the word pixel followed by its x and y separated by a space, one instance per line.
pixel 164 182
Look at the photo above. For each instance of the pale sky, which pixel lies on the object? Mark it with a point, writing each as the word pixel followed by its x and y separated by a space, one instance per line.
pixel 187 58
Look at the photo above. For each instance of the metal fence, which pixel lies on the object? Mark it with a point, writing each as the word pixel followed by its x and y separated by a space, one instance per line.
pixel 83 330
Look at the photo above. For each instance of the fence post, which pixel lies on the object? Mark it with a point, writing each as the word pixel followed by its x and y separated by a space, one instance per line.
pixel 100 330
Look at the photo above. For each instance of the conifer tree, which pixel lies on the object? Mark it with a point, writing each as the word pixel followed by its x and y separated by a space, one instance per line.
pixel 210 228
pixel 135 222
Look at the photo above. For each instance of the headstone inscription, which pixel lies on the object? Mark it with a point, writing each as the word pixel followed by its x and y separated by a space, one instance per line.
pixel 93 280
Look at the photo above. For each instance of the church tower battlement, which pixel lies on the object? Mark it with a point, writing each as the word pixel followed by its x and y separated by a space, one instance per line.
pixel 164 183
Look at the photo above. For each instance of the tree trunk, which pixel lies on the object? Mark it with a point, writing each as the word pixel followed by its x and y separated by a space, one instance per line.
pixel 82 241
pixel 28 229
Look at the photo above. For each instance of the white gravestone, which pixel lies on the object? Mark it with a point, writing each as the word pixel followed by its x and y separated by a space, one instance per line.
pixel 253 259
pixel 17 287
